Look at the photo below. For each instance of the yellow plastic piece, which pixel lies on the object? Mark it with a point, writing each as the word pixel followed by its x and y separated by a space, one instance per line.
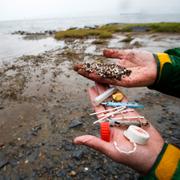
pixel 117 96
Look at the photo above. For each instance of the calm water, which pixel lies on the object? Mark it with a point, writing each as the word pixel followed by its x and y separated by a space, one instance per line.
pixel 12 46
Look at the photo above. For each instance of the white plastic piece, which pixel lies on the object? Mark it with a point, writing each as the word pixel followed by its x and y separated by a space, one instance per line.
pixel 118 111
pixel 129 117
pixel 107 110
pixel 136 134
pixel 126 111
pixel 125 152
pixel 108 115
pixel 99 99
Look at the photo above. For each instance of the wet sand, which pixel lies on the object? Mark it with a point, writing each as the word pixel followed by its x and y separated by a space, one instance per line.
pixel 44 105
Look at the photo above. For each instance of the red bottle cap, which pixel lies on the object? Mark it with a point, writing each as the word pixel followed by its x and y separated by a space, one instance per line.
pixel 105 131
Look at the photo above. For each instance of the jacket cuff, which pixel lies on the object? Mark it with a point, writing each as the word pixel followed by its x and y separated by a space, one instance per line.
pixel 165 75
pixel 166 164
pixel 163 61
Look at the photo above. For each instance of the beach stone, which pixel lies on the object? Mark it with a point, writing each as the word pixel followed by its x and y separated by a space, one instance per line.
pixel 61 173
pixel 75 123
pixel 3 160
pixel 72 173
pixel 67 146
pixel 78 154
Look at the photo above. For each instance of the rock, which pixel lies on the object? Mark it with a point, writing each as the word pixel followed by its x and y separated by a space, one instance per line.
pixel 75 123
pixel 136 42
pixel 13 162
pixel 2 145
pixel 33 156
pixel 128 39
pixel 35 129
pixel 61 173
pixel 72 173
pixel 67 146
pixel 86 169
pixel 3 160
pixel 78 154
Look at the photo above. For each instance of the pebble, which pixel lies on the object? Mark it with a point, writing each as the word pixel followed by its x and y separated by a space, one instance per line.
pixel 75 123
pixel 26 161
pixel 35 129
pixel 77 154
pixel 1 145
pixel 3 160
pixel 72 173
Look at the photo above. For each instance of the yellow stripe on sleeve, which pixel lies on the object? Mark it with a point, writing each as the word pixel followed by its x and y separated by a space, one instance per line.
pixel 163 58
pixel 168 163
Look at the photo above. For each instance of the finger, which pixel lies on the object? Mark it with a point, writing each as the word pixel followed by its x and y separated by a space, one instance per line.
pixel 101 89
pixel 77 67
pixel 95 143
pixel 112 53
pixel 92 94
pixel 128 55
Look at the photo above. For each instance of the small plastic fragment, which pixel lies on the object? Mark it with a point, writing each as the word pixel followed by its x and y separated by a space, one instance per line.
pixel 105 131
pixel 117 97
pixel 99 99
pixel 107 70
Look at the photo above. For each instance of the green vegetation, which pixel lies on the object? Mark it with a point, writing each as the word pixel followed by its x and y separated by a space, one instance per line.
pixel 107 31
pixel 99 41
pixel 128 39
pixel 152 27
pixel 82 33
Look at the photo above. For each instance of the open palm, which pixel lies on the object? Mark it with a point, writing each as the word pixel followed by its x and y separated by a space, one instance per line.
pixel 144 153
pixel 142 64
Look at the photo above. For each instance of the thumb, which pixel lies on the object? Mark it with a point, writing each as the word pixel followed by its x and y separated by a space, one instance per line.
pixel 112 53
pixel 95 143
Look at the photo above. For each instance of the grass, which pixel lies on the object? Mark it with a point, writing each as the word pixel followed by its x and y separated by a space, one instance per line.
pixel 153 27
pixel 127 39
pixel 82 33
pixel 107 31
pixel 99 41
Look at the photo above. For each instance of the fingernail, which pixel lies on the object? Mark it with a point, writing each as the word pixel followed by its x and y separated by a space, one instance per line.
pixel 77 141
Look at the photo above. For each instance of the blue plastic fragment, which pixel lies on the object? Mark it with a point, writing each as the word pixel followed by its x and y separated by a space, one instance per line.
pixel 123 104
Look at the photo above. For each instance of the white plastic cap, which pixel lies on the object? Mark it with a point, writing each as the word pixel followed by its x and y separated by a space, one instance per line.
pixel 136 134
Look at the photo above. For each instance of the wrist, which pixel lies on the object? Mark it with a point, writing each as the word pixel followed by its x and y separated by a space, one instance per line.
pixel 166 163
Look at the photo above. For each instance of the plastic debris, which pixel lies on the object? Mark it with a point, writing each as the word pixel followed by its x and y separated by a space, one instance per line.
pixel 117 97
pixel 107 70
pixel 99 99
pixel 124 104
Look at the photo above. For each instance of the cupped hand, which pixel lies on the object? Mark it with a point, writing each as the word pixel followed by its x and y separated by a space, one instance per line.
pixel 142 64
pixel 144 156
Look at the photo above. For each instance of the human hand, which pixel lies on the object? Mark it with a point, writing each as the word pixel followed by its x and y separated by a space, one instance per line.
pixel 141 63
pixel 144 156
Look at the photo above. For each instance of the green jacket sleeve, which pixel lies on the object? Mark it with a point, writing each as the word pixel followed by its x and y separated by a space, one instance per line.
pixel 167 165
pixel 168 72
